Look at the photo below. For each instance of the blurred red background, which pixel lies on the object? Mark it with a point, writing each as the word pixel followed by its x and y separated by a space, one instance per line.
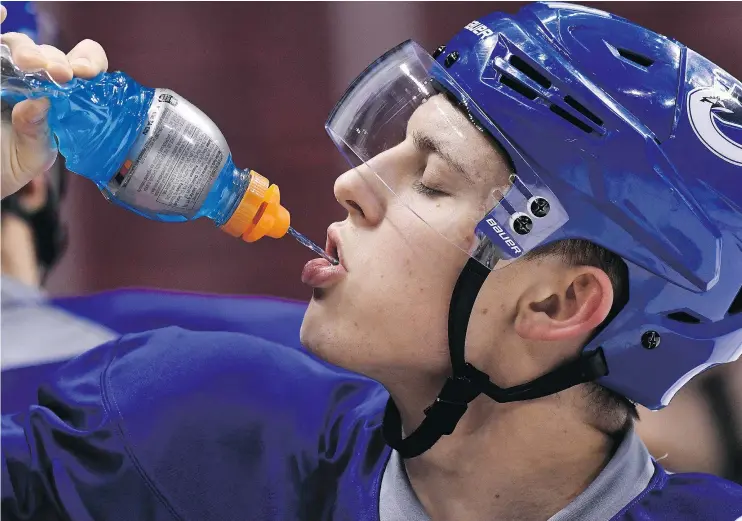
pixel 268 74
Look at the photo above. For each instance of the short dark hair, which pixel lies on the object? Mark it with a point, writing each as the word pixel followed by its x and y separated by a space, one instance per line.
pixel 613 409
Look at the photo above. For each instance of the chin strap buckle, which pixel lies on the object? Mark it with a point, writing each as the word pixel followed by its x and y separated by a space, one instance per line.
pixel 453 400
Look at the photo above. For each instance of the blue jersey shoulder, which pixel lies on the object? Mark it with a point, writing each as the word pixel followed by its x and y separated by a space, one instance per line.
pixel 128 311
pixel 191 425
pixel 686 497
pixel 232 410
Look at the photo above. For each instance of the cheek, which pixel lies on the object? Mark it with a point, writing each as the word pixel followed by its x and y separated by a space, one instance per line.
pixel 402 297
pixel 421 257
pixel 405 323
pixel 454 220
pixel 411 273
pixel 411 282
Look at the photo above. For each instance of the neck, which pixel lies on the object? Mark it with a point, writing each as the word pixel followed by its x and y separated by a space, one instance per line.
pixel 18 251
pixel 517 461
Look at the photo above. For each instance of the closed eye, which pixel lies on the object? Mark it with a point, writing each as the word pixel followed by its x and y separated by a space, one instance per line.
pixel 425 190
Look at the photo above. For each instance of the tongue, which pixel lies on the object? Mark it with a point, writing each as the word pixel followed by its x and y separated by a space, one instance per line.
pixel 313 269
pixel 319 263
pixel 320 273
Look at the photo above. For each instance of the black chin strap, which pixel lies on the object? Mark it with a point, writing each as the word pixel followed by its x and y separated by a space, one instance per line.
pixel 468 382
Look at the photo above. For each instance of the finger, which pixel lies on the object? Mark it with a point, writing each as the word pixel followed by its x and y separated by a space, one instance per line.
pixel 3 13
pixel 29 113
pixel 16 40
pixel 57 66
pixel 26 54
pixel 35 148
pixel 88 59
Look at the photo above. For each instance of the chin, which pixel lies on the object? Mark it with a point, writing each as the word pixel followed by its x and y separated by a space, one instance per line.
pixel 316 332
pixel 330 337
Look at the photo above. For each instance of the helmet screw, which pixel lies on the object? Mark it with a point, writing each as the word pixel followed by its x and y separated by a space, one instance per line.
pixel 523 225
pixel 439 51
pixel 540 207
pixel 451 59
pixel 651 339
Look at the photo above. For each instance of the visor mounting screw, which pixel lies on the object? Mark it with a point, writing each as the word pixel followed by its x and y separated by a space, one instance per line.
pixel 451 59
pixel 523 225
pixel 439 51
pixel 540 207
pixel 651 339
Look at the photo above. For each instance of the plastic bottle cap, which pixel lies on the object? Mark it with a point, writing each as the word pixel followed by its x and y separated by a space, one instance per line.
pixel 259 213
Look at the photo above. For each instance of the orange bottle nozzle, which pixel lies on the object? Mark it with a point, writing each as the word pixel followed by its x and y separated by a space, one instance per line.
pixel 259 213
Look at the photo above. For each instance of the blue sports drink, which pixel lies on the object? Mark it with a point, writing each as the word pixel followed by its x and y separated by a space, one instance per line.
pixel 152 152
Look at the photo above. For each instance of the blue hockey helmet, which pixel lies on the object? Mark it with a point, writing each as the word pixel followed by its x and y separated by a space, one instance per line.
pixel 617 135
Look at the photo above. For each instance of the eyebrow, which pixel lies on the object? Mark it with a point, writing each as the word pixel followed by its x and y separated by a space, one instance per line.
pixel 426 143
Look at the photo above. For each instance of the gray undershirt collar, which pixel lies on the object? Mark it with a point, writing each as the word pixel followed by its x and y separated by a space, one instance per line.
pixel 35 332
pixel 627 474
pixel 13 292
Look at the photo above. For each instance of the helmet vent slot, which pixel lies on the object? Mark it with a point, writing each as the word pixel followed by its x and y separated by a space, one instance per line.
pixel 525 68
pixel 583 110
pixel 572 119
pixel 736 306
pixel 518 87
pixel 682 316
pixel 636 58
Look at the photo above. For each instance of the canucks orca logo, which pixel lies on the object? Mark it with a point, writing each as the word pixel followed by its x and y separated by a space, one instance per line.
pixel 716 116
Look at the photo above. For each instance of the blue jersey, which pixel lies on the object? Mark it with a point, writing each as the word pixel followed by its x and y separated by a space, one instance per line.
pixel 178 425
pixel 77 321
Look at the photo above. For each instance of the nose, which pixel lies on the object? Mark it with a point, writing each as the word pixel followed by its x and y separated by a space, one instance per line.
pixel 361 193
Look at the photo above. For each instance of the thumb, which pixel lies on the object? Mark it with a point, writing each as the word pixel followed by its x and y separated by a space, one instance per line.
pixel 35 147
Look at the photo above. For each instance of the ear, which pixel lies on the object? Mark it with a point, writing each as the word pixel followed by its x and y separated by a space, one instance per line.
pixel 571 307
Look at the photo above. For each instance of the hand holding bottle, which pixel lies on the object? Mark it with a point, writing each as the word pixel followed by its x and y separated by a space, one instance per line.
pixel 148 150
pixel 28 148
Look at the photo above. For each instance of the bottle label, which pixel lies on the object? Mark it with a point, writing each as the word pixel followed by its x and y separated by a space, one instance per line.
pixel 174 160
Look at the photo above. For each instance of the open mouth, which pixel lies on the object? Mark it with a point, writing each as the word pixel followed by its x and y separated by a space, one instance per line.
pixel 331 246
pixel 320 273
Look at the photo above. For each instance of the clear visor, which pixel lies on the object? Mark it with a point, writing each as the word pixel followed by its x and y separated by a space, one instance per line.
pixel 409 124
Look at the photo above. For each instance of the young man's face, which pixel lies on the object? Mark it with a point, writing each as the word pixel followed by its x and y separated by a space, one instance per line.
pixel 388 308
